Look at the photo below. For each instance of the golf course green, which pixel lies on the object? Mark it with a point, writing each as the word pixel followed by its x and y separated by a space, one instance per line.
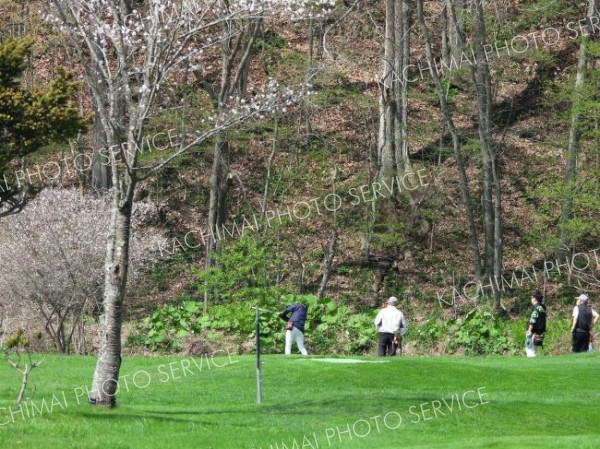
pixel 311 402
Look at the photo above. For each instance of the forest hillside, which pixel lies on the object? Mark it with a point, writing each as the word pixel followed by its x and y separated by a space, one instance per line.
pixel 442 152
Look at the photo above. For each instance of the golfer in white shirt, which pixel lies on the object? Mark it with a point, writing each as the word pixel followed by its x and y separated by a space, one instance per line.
pixel 391 325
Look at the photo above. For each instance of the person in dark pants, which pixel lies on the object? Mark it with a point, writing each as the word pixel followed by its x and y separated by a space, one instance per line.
pixel 582 324
pixel 391 325
pixel 294 316
pixel 536 326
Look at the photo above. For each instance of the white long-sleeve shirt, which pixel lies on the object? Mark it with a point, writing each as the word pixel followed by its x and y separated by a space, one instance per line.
pixel 390 320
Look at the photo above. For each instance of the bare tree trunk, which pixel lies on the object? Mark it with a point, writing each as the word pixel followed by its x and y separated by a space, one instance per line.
pixel 101 177
pixel 488 214
pixel 218 185
pixel 217 206
pixel 393 135
pixel 24 380
pixel 462 176
pixel 407 6
pixel 456 10
pixel 491 176
pixel 401 60
pixel 498 235
pixel 62 345
pixel 79 338
pixel 387 101
pixel 398 61
pixel 106 376
pixel 56 333
pixel 485 101
pixel 76 324
pixel 332 244
pixel 302 271
pixel 445 31
pixel 328 264
pixel 77 146
pixel 2 318
pixel 370 213
pixel 310 40
pixel 265 202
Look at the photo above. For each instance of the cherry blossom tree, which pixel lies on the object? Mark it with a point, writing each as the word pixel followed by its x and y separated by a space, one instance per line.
pixel 128 52
pixel 53 250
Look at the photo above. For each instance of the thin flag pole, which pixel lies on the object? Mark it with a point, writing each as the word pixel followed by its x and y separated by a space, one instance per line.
pixel 258 364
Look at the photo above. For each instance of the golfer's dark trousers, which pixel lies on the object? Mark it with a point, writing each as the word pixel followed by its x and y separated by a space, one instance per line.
pixel 581 340
pixel 385 346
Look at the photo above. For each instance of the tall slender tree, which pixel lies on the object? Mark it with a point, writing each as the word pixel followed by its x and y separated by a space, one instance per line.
pixel 393 99
pixel 491 187
pixel 127 56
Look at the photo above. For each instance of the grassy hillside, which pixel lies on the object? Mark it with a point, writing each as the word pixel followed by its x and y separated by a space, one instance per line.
pixel 209 403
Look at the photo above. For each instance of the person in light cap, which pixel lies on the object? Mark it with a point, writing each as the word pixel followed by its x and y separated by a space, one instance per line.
pixel 583 321
pixel 391 326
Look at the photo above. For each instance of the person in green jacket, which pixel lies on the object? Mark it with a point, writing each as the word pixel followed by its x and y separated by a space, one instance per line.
pixel 536 326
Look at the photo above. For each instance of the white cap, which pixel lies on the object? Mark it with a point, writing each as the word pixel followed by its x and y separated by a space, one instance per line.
pixel 582 297
pixel 393 300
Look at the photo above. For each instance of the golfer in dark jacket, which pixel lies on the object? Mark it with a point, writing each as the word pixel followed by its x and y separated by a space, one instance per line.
pixel 295 316
pixel 583 320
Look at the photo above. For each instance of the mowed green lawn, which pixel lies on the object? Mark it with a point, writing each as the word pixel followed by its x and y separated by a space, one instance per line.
pixel 172 402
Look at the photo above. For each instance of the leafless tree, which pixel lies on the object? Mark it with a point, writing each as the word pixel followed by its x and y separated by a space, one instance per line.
pixel 53 253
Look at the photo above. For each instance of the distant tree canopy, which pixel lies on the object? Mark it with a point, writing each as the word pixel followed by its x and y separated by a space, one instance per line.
pixel 31 119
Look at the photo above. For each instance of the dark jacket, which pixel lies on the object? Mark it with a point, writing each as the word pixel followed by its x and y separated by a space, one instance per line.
pixel 538 318
pixel 298 315
pixel 584 318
